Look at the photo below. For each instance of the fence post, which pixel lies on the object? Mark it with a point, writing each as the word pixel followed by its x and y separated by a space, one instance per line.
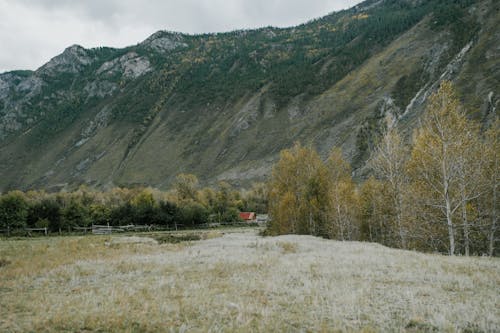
pixel 8 231
pixel 45 231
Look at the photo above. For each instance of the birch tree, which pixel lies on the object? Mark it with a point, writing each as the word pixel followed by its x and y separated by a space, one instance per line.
pixel 298 193
pixel 374 211
pixel 389 163
pixel 343 201
pixel 470 166
pixel 491 178
pixel 441 146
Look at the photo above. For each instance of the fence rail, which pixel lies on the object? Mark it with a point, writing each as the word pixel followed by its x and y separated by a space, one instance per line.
pixel 104 229
pixel 97 229
pixel 29 230
pixel 84 229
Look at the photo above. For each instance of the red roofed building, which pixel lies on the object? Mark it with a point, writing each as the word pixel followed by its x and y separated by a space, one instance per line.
pixel 248 216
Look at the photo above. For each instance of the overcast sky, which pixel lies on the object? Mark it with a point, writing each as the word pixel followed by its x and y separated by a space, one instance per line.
pixel 33 31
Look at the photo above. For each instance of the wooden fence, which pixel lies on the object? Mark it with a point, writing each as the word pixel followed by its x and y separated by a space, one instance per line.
pixel 26 230
pixel 84 229
pixel 107 229
pixel 29 230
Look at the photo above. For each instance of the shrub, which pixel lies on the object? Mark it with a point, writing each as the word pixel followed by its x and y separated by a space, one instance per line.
pixel 13 210
pixel 192 214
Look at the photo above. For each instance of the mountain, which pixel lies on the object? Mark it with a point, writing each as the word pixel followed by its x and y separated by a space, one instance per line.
pixel 222 106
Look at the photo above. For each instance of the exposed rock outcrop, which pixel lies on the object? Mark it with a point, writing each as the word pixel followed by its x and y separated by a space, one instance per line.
pixel 163 41
pixel 72 60
pixel 130 65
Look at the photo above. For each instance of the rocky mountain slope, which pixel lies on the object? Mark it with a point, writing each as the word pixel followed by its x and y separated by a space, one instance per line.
pixel 222 106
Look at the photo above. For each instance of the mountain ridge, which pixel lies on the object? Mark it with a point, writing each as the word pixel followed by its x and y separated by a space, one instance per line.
pixel 223 105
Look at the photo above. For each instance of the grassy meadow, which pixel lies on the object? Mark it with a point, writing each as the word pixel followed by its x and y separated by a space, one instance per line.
pixel 235 280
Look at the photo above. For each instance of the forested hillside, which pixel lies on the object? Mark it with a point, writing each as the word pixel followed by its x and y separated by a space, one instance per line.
pixel 222 106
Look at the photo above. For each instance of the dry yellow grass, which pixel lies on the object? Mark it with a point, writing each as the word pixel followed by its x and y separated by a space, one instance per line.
pixel 241 282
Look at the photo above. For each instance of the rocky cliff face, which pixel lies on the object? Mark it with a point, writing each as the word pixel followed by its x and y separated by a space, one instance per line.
pixel 222 106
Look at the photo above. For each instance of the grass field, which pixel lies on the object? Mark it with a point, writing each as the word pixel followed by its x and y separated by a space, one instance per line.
pixel 235 280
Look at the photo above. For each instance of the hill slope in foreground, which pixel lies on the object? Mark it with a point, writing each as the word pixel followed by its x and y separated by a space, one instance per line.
pixel 241 282
pixel 222 106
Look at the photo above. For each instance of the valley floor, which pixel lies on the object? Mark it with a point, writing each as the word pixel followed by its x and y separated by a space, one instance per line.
pixel 239 281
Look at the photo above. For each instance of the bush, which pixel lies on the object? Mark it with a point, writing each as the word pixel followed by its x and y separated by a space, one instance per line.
pixel 231 215
pixel 42 223
pixel 192 213
pixel 49 210
pixel 13 210
pixel 167 212
pixel 99 214
pixel 122 215
pixel 75 214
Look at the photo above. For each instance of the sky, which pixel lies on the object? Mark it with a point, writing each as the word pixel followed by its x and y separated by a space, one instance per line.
pixel 34 31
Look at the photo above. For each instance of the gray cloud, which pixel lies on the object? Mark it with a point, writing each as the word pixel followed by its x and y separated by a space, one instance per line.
pixel 33 31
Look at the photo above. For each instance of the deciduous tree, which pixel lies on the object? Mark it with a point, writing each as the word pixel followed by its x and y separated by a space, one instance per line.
pixel 374 212
pixel 491 177
pixel 342 196
pixel 299 193
pixel 389 165
pixel 442 144
pixel 13 210
pixel 186 186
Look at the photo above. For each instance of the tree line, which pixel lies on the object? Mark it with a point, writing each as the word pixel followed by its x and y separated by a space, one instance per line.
pixel 185 205
pixel 437 192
